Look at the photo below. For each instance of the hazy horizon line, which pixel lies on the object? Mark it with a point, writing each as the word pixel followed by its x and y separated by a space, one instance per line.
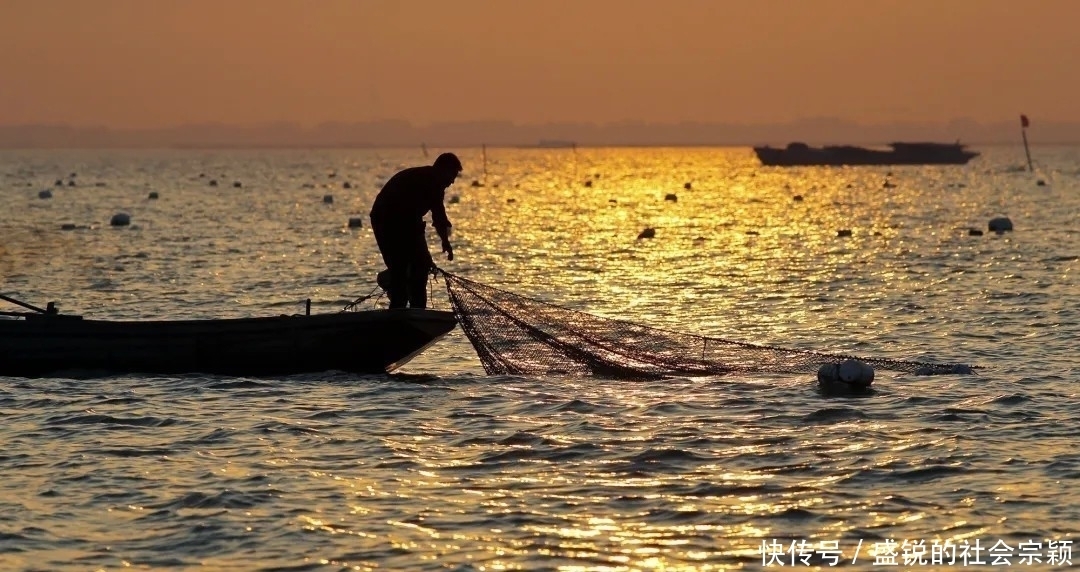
pixel 508 133
pixel 497 121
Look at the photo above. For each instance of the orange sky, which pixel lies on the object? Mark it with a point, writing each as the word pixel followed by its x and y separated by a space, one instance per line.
pixel 140 63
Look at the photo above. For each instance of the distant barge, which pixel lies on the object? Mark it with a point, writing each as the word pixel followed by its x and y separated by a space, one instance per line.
pixel 801 154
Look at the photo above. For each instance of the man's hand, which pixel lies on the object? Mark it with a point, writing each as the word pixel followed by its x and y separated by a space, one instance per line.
pixel 449 250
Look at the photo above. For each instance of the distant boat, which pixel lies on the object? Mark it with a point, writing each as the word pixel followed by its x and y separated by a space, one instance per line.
pixel 801 154
pixel 39 344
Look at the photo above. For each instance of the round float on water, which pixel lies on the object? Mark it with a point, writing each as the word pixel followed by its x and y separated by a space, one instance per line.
pixel 454 200
pixel 849 375
pixel 671 197
pixel 120 219
pixel 356 222
pixel 328 199
pixel 46 194
pixel 153 195
pixel 1000 224
pixel 647 233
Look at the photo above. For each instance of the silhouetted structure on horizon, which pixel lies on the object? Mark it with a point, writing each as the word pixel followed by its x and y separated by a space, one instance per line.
pixel 798 154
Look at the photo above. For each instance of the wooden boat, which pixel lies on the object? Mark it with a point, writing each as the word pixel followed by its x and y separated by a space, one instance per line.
pixel 45 343
pixel 801 154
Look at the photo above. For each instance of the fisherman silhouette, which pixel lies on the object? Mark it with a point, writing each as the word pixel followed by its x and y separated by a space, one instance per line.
pixel 397 219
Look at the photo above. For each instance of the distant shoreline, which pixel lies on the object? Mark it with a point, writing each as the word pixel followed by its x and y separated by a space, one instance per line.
pixel 505 134
pixel 283 147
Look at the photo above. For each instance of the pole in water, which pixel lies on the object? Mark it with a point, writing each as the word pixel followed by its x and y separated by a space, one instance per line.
pixel 307 307
pixel 573 149
pixel 483 157
pixel 1023 133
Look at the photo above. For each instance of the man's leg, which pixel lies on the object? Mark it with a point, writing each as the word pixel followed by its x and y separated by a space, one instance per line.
pixel 399 284
pixel 395 255
pixel 420 264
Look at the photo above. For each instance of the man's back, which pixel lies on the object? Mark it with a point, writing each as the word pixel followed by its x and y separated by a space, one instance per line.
pixel 408 196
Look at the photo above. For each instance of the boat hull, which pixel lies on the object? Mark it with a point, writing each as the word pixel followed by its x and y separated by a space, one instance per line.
pixel 796 155
pixel 373 341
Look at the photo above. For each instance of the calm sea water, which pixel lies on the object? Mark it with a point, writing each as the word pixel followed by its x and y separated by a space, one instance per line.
pixel 442 467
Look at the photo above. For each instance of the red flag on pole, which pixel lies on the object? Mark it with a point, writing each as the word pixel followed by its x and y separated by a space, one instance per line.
pixel 1024 121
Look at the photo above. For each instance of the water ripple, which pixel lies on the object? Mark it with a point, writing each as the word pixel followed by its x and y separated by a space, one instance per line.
pixel 442 467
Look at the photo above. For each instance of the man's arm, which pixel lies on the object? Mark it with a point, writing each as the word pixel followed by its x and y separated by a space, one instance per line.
pixel 442 226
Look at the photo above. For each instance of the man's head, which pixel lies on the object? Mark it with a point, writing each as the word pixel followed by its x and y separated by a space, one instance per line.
pixel 449 166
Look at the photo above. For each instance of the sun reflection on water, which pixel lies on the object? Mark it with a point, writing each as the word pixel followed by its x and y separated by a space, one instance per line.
pixel 509 473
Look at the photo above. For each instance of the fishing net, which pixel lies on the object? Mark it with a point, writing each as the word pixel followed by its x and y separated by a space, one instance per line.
pixel 516 335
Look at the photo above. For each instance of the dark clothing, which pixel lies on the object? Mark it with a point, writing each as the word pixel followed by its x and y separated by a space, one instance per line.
pixel 397 219
pixel 411 194
pixel 405 252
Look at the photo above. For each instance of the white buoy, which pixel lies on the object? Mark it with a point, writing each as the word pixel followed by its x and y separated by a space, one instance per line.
pixel 856 372
pixel 46 194
pixel 356 222
pixel 850 375
pixel 120 219
pixel 1000 224
pixel 328 199
pixel 828 372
